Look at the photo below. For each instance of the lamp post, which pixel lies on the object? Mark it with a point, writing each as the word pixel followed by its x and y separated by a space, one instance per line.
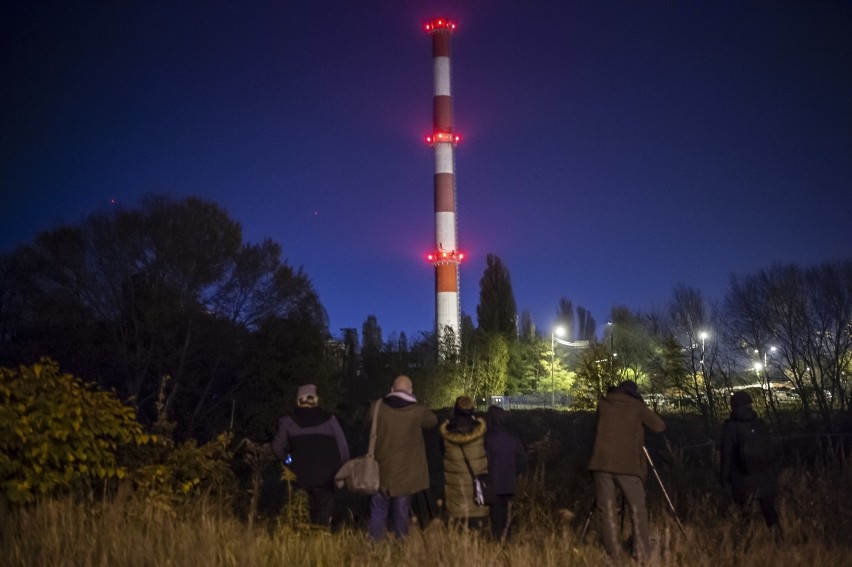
pixel 558 331
pixel 703 336
pixel 708 389
pixel 611 346
pixel 758 366
pixel 765 368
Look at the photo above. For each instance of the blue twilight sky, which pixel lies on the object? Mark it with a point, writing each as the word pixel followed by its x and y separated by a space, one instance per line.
pixel 611 149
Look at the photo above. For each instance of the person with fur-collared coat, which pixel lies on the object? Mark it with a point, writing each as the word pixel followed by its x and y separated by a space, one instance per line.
pixel 463 438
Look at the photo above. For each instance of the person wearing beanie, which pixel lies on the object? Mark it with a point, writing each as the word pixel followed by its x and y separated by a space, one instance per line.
pixel 618 460
pixel 745 466
pixel 401 453
pixel 313 441
pixel 506 461
pixel 463 440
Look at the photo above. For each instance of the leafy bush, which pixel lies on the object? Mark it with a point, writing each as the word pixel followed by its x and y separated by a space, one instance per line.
pixel 58 433
pixel 177 474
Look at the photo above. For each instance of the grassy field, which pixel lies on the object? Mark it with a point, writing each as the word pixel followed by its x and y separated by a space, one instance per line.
pixel 815 499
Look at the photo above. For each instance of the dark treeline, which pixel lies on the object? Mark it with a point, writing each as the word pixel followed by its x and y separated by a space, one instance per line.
pixel 167 300
pixel 166 297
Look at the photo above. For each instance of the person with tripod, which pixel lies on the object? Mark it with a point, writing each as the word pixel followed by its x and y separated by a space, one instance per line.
pixel 618 459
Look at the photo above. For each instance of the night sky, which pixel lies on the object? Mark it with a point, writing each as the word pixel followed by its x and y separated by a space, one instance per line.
pixel 610 149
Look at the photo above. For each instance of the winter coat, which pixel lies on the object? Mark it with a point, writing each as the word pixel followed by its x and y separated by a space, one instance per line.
pixel 506 460
pixel 458 483
pixel 732 473
pixel 315 441
pixel 619 435
pixel 400 449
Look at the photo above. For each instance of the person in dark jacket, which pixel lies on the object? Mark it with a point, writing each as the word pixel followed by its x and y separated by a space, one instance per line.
pixel 747 482
pixel 506 460
pixel 618 458
pixel 314 442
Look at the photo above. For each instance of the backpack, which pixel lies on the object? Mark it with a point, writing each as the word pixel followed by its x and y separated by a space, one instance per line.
pixel 753 444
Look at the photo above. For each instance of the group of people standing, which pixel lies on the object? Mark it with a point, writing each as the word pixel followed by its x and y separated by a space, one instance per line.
pixel 472 447
pixel 620 459
pixel 475 448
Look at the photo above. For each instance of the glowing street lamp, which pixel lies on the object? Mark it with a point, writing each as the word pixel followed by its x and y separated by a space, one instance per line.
pixel 765 367
pixel 611 345
pixel 703 335
pixel 560 332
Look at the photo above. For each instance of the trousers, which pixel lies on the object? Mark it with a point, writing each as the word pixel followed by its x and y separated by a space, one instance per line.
pixel 633 489
pixel 501 513
pixel 382 506
pixel 321 504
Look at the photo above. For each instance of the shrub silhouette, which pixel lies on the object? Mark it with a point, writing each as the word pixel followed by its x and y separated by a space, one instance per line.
pixel 58 433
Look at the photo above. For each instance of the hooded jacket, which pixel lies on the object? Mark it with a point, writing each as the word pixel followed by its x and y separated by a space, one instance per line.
pixel 316 443
pixel 620 436
pixel 731 473
pixel 506 456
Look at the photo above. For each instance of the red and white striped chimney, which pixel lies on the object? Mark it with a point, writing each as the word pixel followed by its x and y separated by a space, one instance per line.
pixel 446 256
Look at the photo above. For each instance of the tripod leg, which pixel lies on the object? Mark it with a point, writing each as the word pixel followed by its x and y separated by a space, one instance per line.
pixel 588 521
pixel 663 488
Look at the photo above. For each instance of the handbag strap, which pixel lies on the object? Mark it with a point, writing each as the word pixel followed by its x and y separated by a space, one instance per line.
pixel 373 428
pixel 466 462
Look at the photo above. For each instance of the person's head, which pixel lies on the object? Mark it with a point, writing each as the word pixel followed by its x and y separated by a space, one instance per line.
pixel 630 388
pixel 495 417
pixel 464 406
pixel 402 383
pixel 306 396
pixel 740 399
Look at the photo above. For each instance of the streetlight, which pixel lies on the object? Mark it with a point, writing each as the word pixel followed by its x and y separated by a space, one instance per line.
pixel 765 368
pixel 703 336
pixel 611 346
pixel 560 331
pixel 765 359
pixel 707 386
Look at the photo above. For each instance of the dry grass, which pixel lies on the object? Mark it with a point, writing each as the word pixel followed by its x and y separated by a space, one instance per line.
pixel 815 497
pixel 60 532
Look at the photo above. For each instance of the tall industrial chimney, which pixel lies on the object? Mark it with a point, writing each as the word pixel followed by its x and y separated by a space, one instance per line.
pixel 446 256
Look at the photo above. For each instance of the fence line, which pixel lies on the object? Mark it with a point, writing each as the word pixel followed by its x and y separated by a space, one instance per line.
pixel 775 437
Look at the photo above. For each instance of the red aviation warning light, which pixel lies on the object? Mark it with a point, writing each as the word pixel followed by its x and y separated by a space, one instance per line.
pixel 443 138
pixel 439 24
pixel 445 257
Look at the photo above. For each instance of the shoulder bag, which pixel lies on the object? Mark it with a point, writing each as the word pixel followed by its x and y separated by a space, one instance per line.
pixel 361 474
